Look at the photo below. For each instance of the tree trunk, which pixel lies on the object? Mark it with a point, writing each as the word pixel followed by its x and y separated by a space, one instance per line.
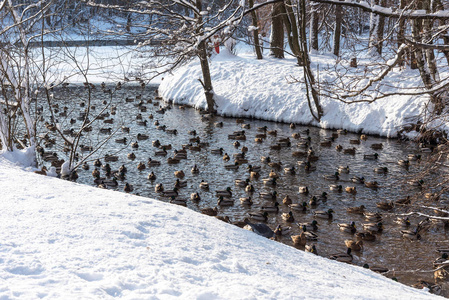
pixel 255 32
pixel 439 6
pixel 380 31
pixel 337 30
pixel 277 31
pixel 401 31
pixel 314 25
pixel 430 55
pixel 292 30
pixel 202 54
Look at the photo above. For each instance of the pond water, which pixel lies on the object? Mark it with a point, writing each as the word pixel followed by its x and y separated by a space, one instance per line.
pixel 404 258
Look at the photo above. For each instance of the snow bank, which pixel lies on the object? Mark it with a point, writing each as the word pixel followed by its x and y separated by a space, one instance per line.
pixel 65 240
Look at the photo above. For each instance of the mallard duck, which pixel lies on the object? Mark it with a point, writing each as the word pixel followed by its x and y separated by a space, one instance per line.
pixel 179 174
pixel 339 147
pixel 134 145
pixel 258 140
pixel 218 124
pixel 290 170
pixel 111 182
pixel 252 168
pixel 372 216
pixel 323 214
pixel 377 146
pixel 296 135
pixel 250 188
pixel 350 151
pixel 381 170
pixel 288 217
pixel 276 147
pixel 336 188
pixel 333 177
pixel 363 137
pixel 195 170
pixel 311 249
pixel 204 185
pixel 272 132
pixel 217 151
pixel 403 201
pixel 366 236
pixel 153 163
pixel 224 193
pixel 225 201
pixel 373 227
pixel 303 190
pixel 97 163
pixel 269 181
pixel 299 207
pixel 411 234
pixel 128 188
pixel 180 184
pixel 347 227
pixel 376 269
pixel 246 201
pixel 417 183
pixel 151 176
pixel 265 159
pixel 259 216
pixel 327 143
pixel 172 161
pixel 275 165
pixel 271 208
pixel 404 162
pixel 162 152
pixel 225 219
pixel 182 202
pixel 172 193
pixel 441 261
pixel 287 200
pixel 273 174
pixel 156 143
pixel 354 141
pixel 356 209
pixel 354 245
pixel 209 211
pixel 386 205
pixel 312 225
pixel 308 167
pixel 343 170
pixel 414 157
pixel 299 240
pixel 268 195
pixel 141 166
pixel 262 129
pixel 351 189
pixel 357 179
pixel 121 140
pixel 321 197
pixel 260 229
pixel 241 182
pixel 235 166
pixel 342 257
pixel 226 157
pixel 236 144
pixel 96 173
pixel 371 184
pixel 254 175
pixel 142 137
pixel 282 230
pixel 310 236
pixel 403 221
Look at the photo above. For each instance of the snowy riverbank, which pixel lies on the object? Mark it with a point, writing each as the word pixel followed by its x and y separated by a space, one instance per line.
pixel 66 240
pixel 245 86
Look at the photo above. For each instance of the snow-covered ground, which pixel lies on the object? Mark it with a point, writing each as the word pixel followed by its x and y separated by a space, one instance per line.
pixel 61 240
pixel 265 89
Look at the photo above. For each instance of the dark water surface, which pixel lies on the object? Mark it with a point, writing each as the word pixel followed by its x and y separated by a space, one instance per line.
pixel 404 258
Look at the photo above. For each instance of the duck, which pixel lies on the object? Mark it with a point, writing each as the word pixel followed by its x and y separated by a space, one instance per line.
pixel 308 167
pixel 273 174
pixel 381 170
pixel 128 188
pixel 366 236
pixel 357 179
pixel 141 166
pixel 336 188
pixel 403 221
pixel 275 165
pixel 97 163
pixel 134 145
pixel 159 188
pixel 354 141
pixel 121 140
pixel 265 159
pixel 339 147
pixel 354 245
pixel 299 207
pixel 111 182
pixel 356 209
pixel 172 193
pixel 303 189
pixel 179 174
pixel 347 227
pixel 343 256
pixel 225 201
pixel 246 201
pixel 151 176
pixel 268 195
pixel 372 216
pixel 287 200
pixel 386 205
pixel 272 132
pixel 411 234
pixel 153 163
pixel 162 152
pixel 323 214
pixel 142 137
pixel 310 236
pixel 404 162
pixel 296 135
pixel 290 170
pixel 209 211
pixel 373 227
pixel 241 182
pixel 311 249
pixel 218 124
pixel 262 129
pixel 417 183
pixel 254 175
pixel 314 225
pixel 378 146
pixel 288 217
pixel 350 151
pixel 258 140
pixel 351 189
pixel 173 161
pixel 371 184
pixel 204 185
pixel 195 169
pixel 252 168
pixel 299 240
pixel 271 208
pixel 441 261
pixel 218 151
pixel 403 201
pixel 282 230
pixel 250 188
pixel 321 197
pixel 259 216
pixel 269 181
pixel 225 193
pixel 343 170
pixel 180 184
pixel 414 157
pixel 234 166
pixel 332 177
pixel 182 202
pixel 259 228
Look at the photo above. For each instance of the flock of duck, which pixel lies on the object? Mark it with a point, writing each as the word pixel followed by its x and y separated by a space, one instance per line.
pixel 296 218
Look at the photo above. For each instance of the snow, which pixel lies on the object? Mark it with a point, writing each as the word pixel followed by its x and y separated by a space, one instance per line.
pixel 65 240
pixel 272 89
